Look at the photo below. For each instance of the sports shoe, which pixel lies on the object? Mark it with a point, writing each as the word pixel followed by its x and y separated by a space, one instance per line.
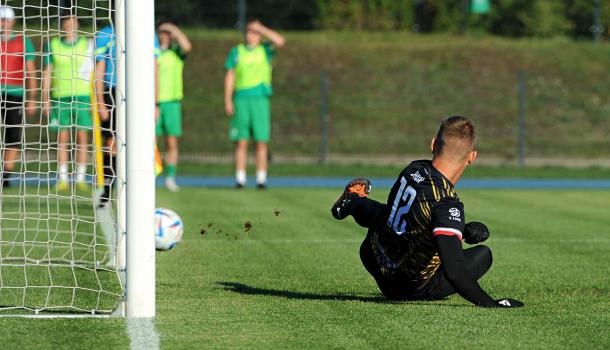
pixel 62 186
pixel 171 185
pixel 357 188
pixel 82 186
pixel 261 186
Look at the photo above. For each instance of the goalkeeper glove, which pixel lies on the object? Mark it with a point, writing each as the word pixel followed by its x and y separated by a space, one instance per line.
pixel 475 232
pixel 508 302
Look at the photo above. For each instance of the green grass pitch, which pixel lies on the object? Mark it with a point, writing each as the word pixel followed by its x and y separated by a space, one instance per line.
pixel 273 270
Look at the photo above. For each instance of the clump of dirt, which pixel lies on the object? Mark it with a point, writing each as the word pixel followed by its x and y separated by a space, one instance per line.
pixel 247 226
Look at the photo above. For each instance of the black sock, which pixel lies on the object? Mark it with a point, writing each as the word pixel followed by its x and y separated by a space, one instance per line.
pixel 364 210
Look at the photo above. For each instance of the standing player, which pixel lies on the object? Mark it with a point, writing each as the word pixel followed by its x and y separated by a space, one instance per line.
pixel 413 248
pixel 16 52
pixel 174 48
pixel 105 92
pixel 65 96
pixel 105 84
pixel 247 91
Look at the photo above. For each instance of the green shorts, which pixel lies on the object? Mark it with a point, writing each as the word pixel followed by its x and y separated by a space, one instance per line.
pixel 251 119
pixel 170 119
pixel 71 111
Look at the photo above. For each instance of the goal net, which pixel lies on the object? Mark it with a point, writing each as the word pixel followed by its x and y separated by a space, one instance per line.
pixel 59 232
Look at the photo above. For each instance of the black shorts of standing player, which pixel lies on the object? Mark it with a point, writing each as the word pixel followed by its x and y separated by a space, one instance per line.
pixel 11 109
pixel 109 125
pixel 477 261
pixel 11 117
pixel 108 134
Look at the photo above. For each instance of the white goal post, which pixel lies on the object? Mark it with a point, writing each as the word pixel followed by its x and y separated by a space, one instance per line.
pixel 67 247
pixel 140 87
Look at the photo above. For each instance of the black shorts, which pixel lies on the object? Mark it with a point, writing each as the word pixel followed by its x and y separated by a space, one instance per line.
pixel 477 262
pixel 11 110
pixel 109 125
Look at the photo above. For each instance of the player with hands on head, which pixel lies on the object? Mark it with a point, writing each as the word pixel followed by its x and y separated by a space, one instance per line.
pixel 413 248
pixel 174 46
pixel 247 90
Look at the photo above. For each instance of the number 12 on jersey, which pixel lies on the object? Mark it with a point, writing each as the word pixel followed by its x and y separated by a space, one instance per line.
pixel 402 204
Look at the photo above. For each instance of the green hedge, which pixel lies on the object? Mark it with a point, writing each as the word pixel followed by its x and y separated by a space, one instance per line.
pixel 516 18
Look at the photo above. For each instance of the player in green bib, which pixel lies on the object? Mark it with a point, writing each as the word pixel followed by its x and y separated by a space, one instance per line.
pixel 247 92
pixel 66 96
pixel 174 47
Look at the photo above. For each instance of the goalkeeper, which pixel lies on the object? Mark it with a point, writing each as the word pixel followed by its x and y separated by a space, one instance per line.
pixel 65 96
pixel 413 248
pixel 16 52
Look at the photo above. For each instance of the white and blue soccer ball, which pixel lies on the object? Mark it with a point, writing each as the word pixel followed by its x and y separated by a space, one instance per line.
pixel 168 229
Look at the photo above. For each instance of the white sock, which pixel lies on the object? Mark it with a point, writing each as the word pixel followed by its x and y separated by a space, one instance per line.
pixel 81 171
pixel 240 177
pixel 63 172
pixel 261 176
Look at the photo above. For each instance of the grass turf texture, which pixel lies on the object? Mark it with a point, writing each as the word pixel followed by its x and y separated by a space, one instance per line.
pixel 294 279
pixel 53 253
pixel 388 92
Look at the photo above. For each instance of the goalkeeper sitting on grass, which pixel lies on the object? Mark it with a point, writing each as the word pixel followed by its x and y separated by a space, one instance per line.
pixel 66 96
pixel 413 248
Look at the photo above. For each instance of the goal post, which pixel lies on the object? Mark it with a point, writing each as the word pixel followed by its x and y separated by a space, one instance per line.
pixel 140 103
pixel 68 246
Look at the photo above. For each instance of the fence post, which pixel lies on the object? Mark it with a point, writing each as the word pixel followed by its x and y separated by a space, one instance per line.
pixel 324 91
pixel 522 88
pixel 465 16
pixel 241 16
pixel 597 27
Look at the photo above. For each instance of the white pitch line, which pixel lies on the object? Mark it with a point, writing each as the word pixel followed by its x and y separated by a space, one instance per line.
pixel 142 334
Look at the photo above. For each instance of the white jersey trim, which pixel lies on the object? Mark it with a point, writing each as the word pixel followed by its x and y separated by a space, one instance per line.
pixel 447 231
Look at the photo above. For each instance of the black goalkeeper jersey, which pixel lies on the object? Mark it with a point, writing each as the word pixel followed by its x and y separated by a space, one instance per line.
pixel 422 204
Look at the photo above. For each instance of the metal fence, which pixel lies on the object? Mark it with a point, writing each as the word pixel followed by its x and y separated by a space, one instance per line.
pixel 338 95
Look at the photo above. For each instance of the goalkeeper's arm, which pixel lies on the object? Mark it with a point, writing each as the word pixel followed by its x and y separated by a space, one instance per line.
pixel 452 258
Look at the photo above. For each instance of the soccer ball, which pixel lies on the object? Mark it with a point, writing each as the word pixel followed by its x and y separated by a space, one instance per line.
pixel 168 229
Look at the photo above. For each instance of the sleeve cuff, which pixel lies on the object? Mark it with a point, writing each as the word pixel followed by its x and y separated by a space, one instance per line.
pixel 447 231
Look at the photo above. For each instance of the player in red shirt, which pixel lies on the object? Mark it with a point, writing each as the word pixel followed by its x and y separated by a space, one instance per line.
pixel 16 83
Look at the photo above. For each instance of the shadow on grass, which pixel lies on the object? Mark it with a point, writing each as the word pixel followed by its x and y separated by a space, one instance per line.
pixel 249 290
